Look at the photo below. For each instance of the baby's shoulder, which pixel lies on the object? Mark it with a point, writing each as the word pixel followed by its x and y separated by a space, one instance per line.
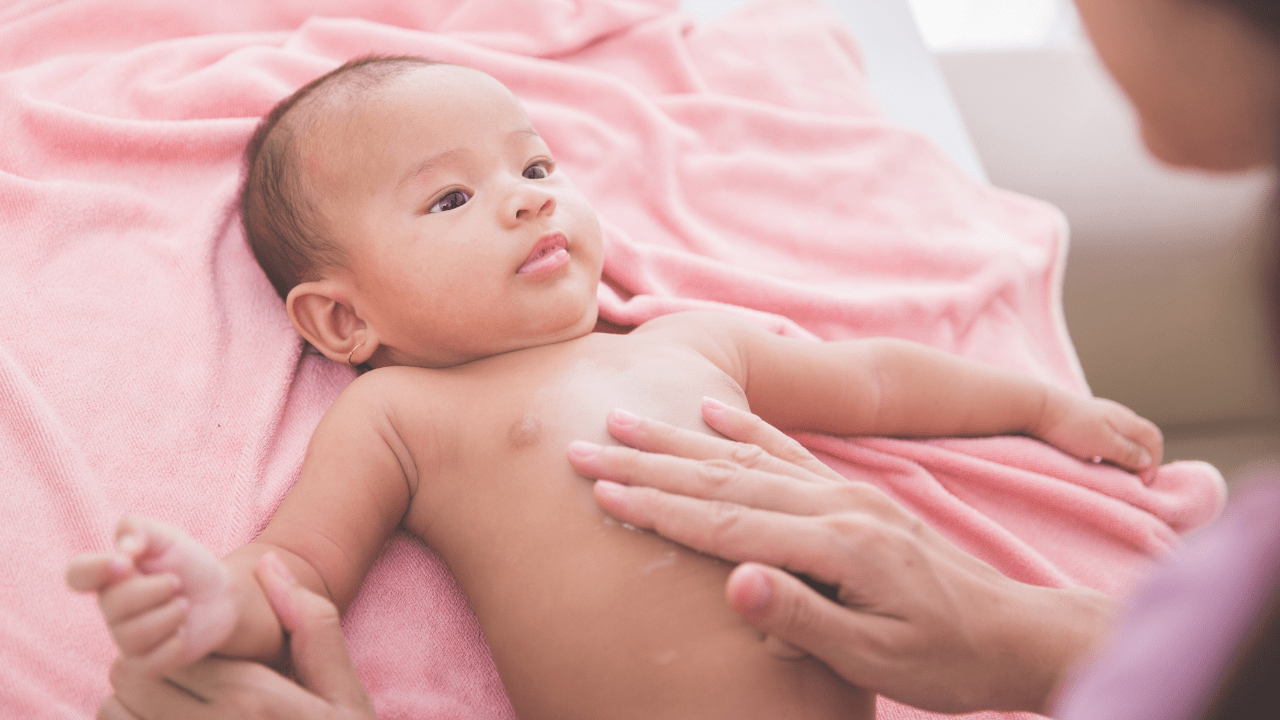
pixel 389 392
pixel 719 337
pixel 698 322
pixel 710 331
pixel 396 408
pixel 391 381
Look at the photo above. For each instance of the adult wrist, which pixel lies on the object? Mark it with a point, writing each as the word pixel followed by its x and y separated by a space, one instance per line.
pixel 1073 621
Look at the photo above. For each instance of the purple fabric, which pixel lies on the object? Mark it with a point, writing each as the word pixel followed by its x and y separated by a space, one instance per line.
pixel 1181 630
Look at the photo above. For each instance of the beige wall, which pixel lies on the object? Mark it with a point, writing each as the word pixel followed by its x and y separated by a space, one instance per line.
pixel 1162 289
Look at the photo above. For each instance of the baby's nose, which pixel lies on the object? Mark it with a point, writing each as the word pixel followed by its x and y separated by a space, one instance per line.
pixel 531 201
pixel 545 209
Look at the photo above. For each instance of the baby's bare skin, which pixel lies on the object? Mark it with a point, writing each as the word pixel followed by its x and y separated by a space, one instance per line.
pixel 469 277
pixel 585 618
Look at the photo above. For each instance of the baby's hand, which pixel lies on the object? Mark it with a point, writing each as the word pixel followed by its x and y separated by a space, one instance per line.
pixel 1097 429
pixel 166 599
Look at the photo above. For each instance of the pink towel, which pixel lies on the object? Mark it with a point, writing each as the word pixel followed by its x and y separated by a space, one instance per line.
pixel 146 365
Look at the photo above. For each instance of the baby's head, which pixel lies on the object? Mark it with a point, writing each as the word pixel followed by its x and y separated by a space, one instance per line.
pixel 409 214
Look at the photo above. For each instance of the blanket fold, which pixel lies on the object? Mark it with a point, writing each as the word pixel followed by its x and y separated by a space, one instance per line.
pixel 147 366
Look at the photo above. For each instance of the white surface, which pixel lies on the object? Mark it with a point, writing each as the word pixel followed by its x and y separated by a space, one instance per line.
pixel 902 74
pixel 995 24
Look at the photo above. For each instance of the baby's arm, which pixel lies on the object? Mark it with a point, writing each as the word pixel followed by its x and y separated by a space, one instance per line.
pixel 886 386
pixel 168 601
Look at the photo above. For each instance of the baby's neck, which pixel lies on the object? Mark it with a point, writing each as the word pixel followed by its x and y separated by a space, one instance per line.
pixel 604 326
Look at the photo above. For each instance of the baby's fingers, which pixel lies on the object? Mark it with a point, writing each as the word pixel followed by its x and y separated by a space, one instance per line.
pixel 140 594
pixel 141 635
pixel 92 572
pixel 1138 443
pixel 138 537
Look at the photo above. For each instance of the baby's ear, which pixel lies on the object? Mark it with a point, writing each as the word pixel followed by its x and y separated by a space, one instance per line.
pixel 329 323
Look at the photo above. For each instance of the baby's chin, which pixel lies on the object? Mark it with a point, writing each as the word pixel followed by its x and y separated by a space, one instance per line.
pixel 583 326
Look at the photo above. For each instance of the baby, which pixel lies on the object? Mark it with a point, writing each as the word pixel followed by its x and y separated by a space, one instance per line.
pixel 416 223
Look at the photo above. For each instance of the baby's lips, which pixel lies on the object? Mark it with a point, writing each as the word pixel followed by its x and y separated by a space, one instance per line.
pixel 547 247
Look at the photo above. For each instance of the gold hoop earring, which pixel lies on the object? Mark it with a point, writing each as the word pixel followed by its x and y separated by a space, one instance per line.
pixel 353 352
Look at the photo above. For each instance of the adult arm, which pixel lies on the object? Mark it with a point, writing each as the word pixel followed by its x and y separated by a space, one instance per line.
pixel 328 687
pixel 915 618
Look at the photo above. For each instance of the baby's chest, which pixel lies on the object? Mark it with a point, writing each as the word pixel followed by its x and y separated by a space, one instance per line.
pixel 524 414
pixel 500 439
pixel 666 386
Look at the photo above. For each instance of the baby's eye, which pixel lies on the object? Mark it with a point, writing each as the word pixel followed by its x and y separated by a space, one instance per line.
pixel 453 200
pixel 536 172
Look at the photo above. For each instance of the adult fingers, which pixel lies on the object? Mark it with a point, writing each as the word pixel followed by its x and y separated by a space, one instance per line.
pixel 709 479
pixel 92 571
pixel 818 547
pixel 746 427
pixel 140 694
pixel 780 605
pixel 213 689
pixel 112 709
pixel 241 689
pixel 318 649
pixel 659 437
pixel 712 516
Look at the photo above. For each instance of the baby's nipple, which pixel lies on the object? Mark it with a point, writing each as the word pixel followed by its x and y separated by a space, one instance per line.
pixel 526 432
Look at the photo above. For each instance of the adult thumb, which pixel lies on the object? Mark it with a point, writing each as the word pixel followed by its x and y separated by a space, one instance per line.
pixel 317 648
pixel 792 614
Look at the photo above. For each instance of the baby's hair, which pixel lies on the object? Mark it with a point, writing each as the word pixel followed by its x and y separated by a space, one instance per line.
pixel 277 207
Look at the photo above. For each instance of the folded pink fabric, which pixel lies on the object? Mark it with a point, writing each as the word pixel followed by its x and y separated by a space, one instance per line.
pixel 146 365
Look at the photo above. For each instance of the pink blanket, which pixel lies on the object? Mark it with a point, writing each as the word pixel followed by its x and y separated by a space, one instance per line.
pixel 146 365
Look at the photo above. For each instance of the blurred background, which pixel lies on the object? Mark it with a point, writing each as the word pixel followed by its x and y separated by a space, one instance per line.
pixel 1163 287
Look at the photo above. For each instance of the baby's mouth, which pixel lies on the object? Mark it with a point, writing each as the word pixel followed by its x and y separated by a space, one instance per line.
pixel 550 252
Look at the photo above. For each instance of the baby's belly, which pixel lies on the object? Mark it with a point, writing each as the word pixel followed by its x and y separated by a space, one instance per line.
pixel 589 618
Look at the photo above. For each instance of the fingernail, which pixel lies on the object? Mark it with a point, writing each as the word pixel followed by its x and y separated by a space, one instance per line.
pixel 583 450
pixel 278 568
pixel 1144 460
pixel 120 565
pixel 753 590
pixel 128 544
pixel 609 489
pixel 711 403
pixel 624 418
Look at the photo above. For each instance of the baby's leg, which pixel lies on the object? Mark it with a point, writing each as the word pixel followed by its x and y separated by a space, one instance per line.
pixel 166 599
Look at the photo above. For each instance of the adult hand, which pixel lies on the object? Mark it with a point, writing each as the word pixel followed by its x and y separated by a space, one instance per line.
pixel 917 619
pixel 220 689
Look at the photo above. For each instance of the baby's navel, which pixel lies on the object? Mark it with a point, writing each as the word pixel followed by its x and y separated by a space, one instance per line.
pixel 526 432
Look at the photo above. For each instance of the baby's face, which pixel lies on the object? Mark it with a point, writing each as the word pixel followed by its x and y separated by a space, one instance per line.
pixel 463 239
